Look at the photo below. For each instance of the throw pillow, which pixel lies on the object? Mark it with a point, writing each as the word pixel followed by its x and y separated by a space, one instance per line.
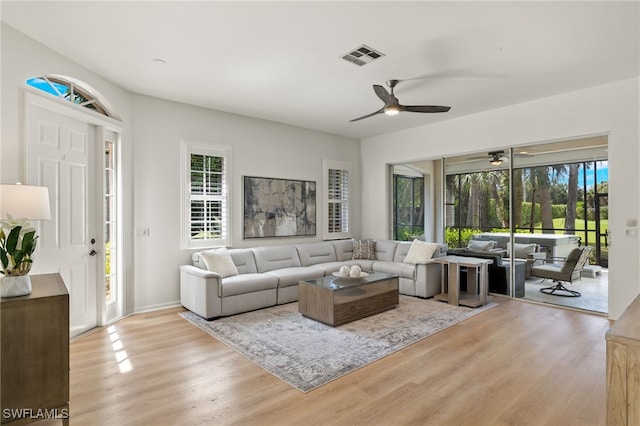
pixel 477 245
pixel 364 249
pixel 219 261
pixel 521 250
pixel 420 252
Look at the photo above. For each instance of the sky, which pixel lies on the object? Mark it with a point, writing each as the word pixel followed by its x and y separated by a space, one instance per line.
pixel 602 174
pixel 44 85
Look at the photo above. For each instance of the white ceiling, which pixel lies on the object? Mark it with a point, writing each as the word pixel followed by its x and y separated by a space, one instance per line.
pixel 281 61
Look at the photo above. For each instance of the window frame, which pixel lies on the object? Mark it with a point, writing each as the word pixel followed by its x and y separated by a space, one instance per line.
pixel 74 92
pixel 212 150
pixel 416 221
pixel 328 165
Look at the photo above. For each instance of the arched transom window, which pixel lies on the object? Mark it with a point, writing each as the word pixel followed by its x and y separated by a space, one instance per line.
pixel 69 90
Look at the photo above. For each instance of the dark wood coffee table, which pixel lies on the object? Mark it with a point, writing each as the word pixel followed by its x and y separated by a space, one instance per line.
pixel 334 301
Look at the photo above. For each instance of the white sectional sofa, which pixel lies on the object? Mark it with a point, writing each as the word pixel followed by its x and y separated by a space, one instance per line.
pixel 269 275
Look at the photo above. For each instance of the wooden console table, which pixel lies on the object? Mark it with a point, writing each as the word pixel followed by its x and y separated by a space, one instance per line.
pixel 623 368
pixel 451 280
pixel 35 353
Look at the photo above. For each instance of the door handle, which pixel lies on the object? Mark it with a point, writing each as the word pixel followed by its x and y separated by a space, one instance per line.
pixel 93 253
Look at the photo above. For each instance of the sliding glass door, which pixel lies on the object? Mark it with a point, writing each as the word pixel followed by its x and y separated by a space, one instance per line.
pixel 533 205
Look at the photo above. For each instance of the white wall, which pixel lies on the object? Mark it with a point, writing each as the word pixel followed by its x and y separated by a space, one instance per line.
pixel 259 148
pixel 612 109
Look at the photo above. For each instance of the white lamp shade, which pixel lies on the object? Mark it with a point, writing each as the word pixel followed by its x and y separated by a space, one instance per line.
pixel 24 202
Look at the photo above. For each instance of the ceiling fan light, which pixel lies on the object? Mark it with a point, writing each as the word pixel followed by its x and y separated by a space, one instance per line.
pixel 495 162
pixel 392 111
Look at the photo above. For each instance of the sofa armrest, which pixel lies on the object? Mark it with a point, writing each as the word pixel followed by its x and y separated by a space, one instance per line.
pixel 427 279
pixel 539 255
pixel 534 259
pixel 424 262
pixel 200 291
pixel 199 272
pixel 537 258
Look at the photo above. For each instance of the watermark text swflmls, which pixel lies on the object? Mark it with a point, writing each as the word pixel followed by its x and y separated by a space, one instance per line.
pixel 35 414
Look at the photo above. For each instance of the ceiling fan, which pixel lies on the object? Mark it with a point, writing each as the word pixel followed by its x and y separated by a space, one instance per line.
pixel 496 158
pixel 392 105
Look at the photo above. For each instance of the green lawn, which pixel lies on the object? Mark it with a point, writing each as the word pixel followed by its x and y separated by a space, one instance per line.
pixel 591 224
pixel 580 226
pixel 580 232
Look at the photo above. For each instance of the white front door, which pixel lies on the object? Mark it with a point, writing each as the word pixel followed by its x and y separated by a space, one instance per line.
pixel 60 157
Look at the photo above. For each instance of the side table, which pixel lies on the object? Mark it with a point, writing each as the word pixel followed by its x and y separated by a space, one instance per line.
pixel 477 273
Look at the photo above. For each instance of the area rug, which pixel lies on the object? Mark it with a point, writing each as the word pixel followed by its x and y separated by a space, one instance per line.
pixel 307 354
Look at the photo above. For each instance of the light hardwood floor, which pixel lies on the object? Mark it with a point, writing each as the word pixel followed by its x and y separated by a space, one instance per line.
pixel 516 364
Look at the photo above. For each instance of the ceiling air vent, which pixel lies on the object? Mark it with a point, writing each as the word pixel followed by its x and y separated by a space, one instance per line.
pixel 362 55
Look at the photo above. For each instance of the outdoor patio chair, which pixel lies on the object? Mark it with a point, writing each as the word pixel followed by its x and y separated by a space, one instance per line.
pixel 563 270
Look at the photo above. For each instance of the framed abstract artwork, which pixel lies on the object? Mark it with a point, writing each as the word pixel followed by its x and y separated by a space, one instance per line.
pixel 279 207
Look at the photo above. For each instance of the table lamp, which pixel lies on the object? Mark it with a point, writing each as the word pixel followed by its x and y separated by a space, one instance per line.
pixel 18 205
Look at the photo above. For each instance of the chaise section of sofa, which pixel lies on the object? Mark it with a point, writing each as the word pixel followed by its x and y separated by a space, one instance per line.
pixel 269 275
pixel 419 279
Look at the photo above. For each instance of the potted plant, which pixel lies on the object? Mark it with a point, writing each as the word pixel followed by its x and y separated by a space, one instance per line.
pixel 17 244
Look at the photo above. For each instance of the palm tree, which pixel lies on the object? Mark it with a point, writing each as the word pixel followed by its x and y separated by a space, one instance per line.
pixel 540 183
pixel 474 212
pixel 546 214
pixel 518 196
pixel 496 179
pixel 572 199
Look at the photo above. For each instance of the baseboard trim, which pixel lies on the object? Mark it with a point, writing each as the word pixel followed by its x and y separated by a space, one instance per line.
pixel 152 308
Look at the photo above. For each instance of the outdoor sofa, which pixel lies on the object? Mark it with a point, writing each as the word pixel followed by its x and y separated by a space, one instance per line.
pixel 223 282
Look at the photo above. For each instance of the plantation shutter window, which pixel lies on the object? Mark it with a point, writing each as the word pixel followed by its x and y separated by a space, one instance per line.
pixel 336 176
pixel 206 197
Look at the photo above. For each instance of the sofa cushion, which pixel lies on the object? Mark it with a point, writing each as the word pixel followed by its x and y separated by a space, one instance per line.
pixel 244 261
pixel 477 245
pixel 521 250
pixel 570 262
pixel 269 258
pixel 246 283
pixel 420 252
pixel 290 276
pixel 313 253
pixel 403 270
pixel 329 268
pixel 365 264
pixel 364 249
pixel 219 261
pixel 385 250
pixel 550 271
pixel 344 249
pixel 401 251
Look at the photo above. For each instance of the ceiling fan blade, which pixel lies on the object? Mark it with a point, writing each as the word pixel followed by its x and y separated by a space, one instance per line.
pixel 392 105
pixel 424 108
pixel 368 115
pixel 382 93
